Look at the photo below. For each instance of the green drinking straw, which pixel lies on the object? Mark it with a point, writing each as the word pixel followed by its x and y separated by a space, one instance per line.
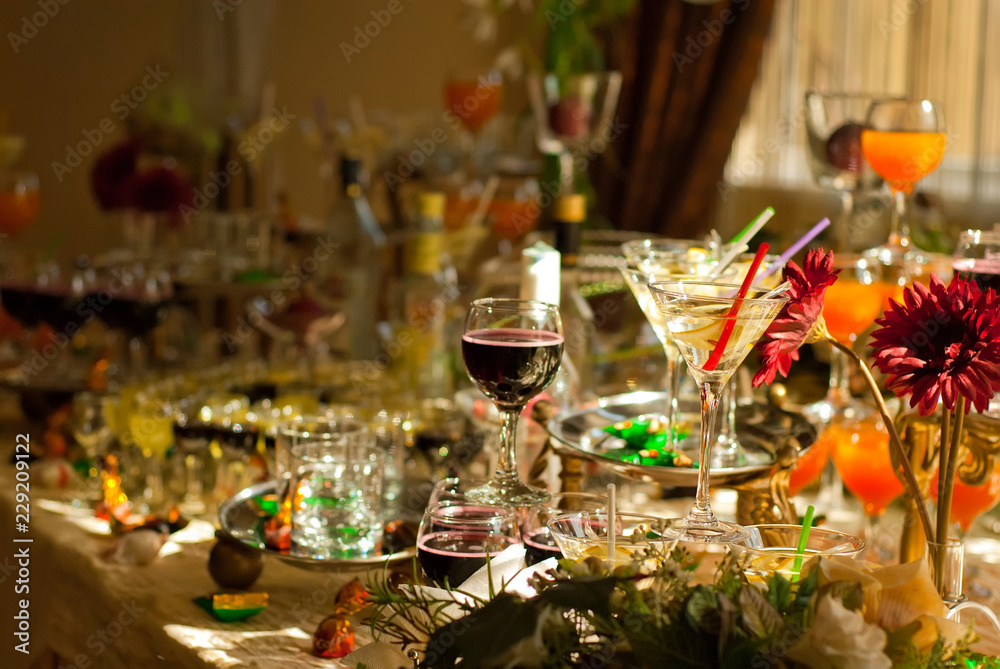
pixel 803 540
pixel 769 212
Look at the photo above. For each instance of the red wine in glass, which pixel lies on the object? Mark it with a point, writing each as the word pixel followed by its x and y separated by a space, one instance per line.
pixel 512 365
pixel 458 553
pixel 539 545
pixel 32 305
pixel 984 271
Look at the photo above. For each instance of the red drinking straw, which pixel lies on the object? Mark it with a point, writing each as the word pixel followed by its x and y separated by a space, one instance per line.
pixel 727 329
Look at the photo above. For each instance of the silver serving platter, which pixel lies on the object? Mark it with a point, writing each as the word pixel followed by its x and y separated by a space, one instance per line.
pixel 579 433
pixel 242 520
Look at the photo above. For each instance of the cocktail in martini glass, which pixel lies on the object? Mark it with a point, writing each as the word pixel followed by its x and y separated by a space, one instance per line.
pixel 714 329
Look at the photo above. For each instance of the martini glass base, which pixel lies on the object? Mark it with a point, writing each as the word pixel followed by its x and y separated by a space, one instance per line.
pixel 508 492
pixel 717 532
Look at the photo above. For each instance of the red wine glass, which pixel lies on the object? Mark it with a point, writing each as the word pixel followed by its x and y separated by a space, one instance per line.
pixel 512 350
pixel 456 539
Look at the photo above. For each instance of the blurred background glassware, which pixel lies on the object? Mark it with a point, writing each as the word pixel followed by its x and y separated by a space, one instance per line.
pixel 834 122
pixel 455 539
pixel 93 433
pixel 772 549
pixel 151 426
pixel 977 258
pixel 438 426
pixel 19 202
pixel 474 97
pixel 583 535
pixel 196 476
pixel 539 543
pixel 336 483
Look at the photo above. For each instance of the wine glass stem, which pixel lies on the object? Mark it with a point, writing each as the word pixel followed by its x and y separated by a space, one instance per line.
pixel 674 386
pixel 899 230
pixel 839 393
pixel 701 512
pixel 507 459
pixel 844 229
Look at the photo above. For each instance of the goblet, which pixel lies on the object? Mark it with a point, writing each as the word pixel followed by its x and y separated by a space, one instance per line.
pixel 455 540
pixel 714 328
pixel 512 351
pixel 903 141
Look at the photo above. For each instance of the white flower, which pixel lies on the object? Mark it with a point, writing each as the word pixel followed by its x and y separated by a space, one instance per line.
pixel 841 639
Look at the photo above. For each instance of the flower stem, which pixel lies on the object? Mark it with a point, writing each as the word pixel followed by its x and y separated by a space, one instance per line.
pixel 944 452
pixel 910 479
pixel 946 491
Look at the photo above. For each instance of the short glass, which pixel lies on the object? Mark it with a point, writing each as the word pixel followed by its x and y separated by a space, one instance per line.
pixel 336 472
pixel 772 548
pixel 637 537
pixel 539 543
pixel 456 539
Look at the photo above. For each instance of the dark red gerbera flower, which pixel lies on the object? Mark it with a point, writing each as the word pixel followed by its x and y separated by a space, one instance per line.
pixel 780 344
pixel 942 342
pixel 111 174
pixel 160 189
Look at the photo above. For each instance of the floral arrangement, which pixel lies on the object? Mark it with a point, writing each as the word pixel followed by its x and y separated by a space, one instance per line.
pixel 120 181
pixel 940 346
pixel 839 614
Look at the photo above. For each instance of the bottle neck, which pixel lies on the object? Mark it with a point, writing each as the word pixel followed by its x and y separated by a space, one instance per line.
pixel 568 243
pixel 352 190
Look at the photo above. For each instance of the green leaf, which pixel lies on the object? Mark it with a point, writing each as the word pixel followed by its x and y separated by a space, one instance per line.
pixel 779 592
pixel 702 610
pixel 900 641
pixel 485 633
pixel 582 595
pixel 759 615
pixel 849 593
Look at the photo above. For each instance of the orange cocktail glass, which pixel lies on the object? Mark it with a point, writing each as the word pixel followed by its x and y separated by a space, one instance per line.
pixel 903 158
pixel 851 307
pixel 861 455
pixel 474 100
pixel 969 502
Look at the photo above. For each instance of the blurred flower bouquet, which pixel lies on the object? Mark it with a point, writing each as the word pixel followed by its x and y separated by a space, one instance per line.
pixel 941 346
pixel 839 614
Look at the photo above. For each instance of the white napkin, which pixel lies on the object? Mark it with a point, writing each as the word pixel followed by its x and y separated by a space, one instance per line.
pixel 507 567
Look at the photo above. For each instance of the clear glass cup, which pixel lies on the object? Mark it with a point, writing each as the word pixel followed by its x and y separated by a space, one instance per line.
pixel 772 548
pixel 642 537
pixel 336 482
pixel 539 544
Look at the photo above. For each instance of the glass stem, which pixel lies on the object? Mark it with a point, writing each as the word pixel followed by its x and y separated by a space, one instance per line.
pixel 701 512
pixel 507 458
pixel 844 229
pixel 727 428
pixel 674 387
pixel 839 393
pixel 899 230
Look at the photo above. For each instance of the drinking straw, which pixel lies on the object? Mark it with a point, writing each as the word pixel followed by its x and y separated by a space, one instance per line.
pixel 803 540
pixel 766 215
pixel 740 241
pixel 796 247
pixel 611 526
pixel 489 191
pixel 727 329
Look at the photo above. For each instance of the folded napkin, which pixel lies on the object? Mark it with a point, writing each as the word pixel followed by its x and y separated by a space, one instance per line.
pixel 508 572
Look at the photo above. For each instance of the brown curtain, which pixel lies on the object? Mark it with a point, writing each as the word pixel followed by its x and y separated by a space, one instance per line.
pixel 687 72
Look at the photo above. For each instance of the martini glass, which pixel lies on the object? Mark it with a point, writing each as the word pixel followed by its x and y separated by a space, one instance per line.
pixel 512 350
pixel 714 329
pixel 903 141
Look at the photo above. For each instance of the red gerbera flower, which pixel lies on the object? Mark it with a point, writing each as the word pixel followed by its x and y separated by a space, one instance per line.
pixel 159 189
pixel 112 172
pixel 780 344
pixel 944 341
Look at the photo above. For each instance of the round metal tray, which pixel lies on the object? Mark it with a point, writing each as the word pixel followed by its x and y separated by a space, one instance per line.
pixel 242 520
pixel 580 433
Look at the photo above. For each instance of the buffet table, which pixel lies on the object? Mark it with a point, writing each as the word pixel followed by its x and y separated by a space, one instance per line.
pixel 87 612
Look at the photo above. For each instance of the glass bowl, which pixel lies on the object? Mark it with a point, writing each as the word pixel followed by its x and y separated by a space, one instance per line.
pixel 583 535
pixel 771 548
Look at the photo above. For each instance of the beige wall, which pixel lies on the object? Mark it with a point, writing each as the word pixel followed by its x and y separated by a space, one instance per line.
pixel 64 80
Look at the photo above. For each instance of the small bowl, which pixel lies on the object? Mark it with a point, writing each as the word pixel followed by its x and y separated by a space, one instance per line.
pixel 772 548
pixel 583 535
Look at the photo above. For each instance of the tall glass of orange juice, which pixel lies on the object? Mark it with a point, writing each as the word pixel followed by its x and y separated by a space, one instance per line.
pixel 968 502
pixel 903 141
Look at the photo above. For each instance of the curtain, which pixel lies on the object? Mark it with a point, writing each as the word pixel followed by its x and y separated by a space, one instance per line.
pixel 687 73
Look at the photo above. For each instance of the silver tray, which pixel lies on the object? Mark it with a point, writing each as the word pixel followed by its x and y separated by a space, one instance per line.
pixel 579 433
pixel 242 520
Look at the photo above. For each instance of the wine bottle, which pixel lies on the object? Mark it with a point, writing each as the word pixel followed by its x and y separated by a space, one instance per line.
pixel 577 316
pixel 357 263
